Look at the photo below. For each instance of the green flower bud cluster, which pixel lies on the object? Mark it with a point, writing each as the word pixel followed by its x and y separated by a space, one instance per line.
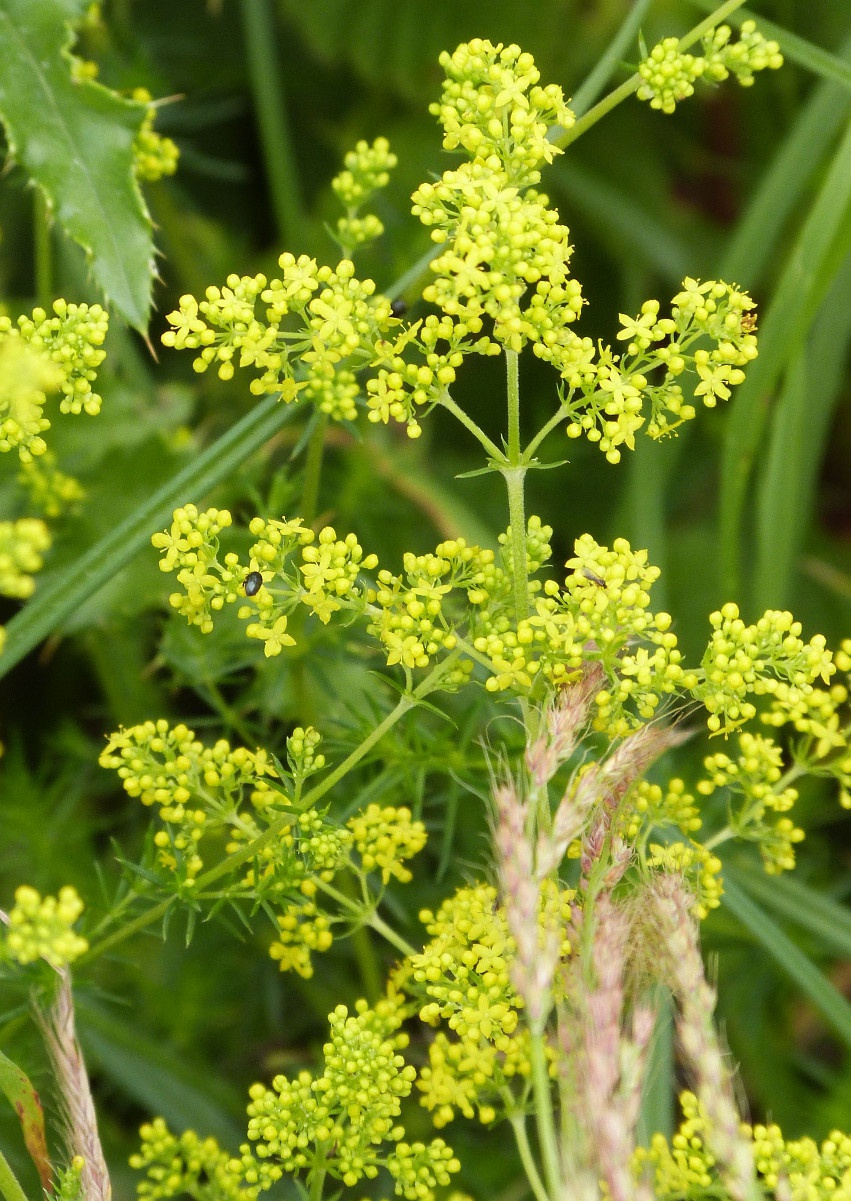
pixel 686 1167
pixel 755 779
pixel 42 927
pixel 154 156
pixel 68 1183
pixel 344 1122
pixel 27 376
pixel 186 1165
pixel 668 75
pixel 462 982
pixel 50 490
pixel 22 547
pixel 756 660
pixel 366 170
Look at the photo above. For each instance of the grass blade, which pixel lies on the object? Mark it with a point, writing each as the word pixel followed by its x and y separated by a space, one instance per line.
pixel 830 1003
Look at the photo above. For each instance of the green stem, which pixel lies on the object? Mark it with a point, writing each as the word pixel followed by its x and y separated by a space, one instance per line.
pixel 630 85
pixel 43 250
pixel 9 1186
pixel 544 1117
pixel 491 447
pixel 613 55
pixel 313 470
pixel 521 1138
pixel 270 101
pixel 514 475
pixel 557 417
pixel 379 925
pixel 251 849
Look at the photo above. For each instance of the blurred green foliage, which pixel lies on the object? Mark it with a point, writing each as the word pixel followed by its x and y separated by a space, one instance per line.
pixel 751 503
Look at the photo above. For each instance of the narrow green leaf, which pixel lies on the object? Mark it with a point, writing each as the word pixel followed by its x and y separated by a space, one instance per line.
pixel 799 293
pixel 25 1101
pixel 821 916
pixel 9 1186
pixel 796 446
pixel 830 1003
pixel 753 247
pixel 75 141
pixel 56 602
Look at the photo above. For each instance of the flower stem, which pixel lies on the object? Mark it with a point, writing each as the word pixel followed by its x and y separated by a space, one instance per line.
pixel 521 1138
pixel 544 1114
pixel 514 474
pixel 313 470
pixel 491 447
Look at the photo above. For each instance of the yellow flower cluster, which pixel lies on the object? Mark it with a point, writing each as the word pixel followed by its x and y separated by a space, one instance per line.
pixel 612 391
pixel 699 868
pixel 154 156
pixel 198 789
pixel 648 807
pixel 346 1119
pixel 817 715
pixel 302 930
pixel 41 354
pixel 320 325
pixel 756 660
pixel 668 75
pixel 186 1165
pixel 463 984
pixel 686 1166
pixel 366 169
pixel 505 254
pixel 324 580
pixel 755 778
pixel 385 837
pixel 22 545
pixel 42 927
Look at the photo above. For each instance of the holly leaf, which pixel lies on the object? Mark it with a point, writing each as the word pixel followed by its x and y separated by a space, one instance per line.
pixel 75 141
pixel 15 1083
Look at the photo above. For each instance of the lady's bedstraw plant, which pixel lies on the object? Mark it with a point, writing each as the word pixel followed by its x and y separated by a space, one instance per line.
pixel 539 994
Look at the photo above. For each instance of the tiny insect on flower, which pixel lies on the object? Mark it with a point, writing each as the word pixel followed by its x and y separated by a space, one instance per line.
pixel 398 308
pixel 589 575
pixel 253 583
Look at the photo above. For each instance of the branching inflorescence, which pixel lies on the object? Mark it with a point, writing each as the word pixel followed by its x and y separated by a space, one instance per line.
pixel 536 993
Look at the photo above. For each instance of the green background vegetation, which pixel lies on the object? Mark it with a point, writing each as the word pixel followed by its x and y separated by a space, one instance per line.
pixel 751 502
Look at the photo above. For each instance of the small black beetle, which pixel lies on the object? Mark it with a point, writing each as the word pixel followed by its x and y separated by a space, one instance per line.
pixel 398 308
pixel 252 583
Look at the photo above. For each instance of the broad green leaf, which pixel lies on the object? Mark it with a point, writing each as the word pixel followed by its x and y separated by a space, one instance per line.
pixel 75 141
pixel 23 1098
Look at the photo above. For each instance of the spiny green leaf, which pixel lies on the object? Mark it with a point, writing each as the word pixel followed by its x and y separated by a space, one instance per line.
pixel 75 141
pixel 23 1098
